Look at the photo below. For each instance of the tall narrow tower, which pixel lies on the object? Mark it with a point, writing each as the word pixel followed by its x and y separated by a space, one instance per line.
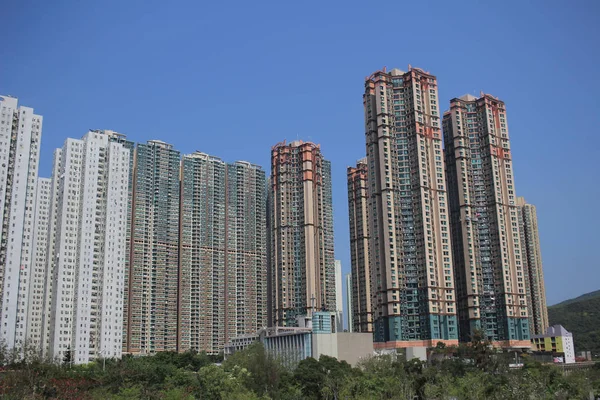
pixel 534 273
pixel 152 291
pixel 223 253
pixel 488 253
pixel 37 276
pixel 301 267
pixel 87 253
pixel 360 312
pixel 409 237
pixel 20 136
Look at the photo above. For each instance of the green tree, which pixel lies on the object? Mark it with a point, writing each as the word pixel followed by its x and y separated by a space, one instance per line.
pixel 266 373
pixel 310 377
pixel 217 383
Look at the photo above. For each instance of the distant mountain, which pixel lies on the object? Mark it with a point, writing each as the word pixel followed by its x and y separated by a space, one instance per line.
pixel 582 297
pixel 581 317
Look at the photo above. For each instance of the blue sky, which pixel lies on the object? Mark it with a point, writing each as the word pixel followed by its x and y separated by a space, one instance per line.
pixel 234 78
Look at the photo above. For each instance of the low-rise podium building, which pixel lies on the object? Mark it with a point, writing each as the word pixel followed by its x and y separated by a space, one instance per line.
pixel 314 336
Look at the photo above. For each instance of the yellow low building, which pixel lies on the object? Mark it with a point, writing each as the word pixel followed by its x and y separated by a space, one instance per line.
pixel 556 339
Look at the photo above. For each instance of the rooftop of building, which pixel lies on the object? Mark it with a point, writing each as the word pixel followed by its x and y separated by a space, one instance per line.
pixel 295 143
pixel 109 133
pixel 204 156
pixel 160 143
pixel 468 97
pixel 9 100
pixel 554 331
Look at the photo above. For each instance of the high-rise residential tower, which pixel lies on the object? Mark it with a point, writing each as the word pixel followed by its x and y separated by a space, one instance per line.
pixel 301 259
pixel 409 238
pixel 53 214
pixel 223 278
pixel 20 136
pixel 151 322
pixel 360 311
pixel 488 253
pixel 534 273
pixel 87 254
pixel 37 279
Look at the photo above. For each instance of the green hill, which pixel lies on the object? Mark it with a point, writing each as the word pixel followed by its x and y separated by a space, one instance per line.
pixel 581 317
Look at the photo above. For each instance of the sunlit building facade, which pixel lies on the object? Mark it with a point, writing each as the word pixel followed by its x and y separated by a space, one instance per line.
pixel 152 294
pixel 37 280
pixel 86 256
pixel 534 273
pixel 361 312
pixel 223 252
pixel 301 259
pixel 488 252
pixel 413 298
pixel 20 137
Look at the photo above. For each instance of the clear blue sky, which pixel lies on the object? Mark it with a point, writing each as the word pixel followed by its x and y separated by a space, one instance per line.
pixel 233 78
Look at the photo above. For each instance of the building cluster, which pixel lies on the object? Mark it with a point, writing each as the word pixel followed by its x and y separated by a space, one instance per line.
pixel 440 244
pixel 314 336
pixel 134 248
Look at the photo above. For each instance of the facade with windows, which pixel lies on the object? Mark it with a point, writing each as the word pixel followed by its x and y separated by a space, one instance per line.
pixel 489 257
pixel 360 310
pixel 48 290
pixel 223 242
pixel 534 273
pixel 152 295
pixel 37 281
pixel 86 257
pixel 412 277
pixel 301 260
pixel 20 136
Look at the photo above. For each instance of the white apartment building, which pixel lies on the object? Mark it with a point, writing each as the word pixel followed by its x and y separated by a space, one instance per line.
pixel 50 251
pixel 37 274
pixel 20 134
pixel 87 251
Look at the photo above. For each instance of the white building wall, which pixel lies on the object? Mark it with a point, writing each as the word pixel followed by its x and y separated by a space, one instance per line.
pixel 64 263
pixel 20 135
pixel 348 305
pixel 38 270
pixel 111 332
pixel 88 271
pixel 324 344
pixel 51 252
pixel 569 349
pixel 339 300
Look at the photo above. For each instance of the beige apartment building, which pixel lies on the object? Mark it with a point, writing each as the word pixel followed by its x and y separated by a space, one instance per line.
pixel 534 273
pixel 300 224
pixel 360 313
pixel 489 256
pixel 413 300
